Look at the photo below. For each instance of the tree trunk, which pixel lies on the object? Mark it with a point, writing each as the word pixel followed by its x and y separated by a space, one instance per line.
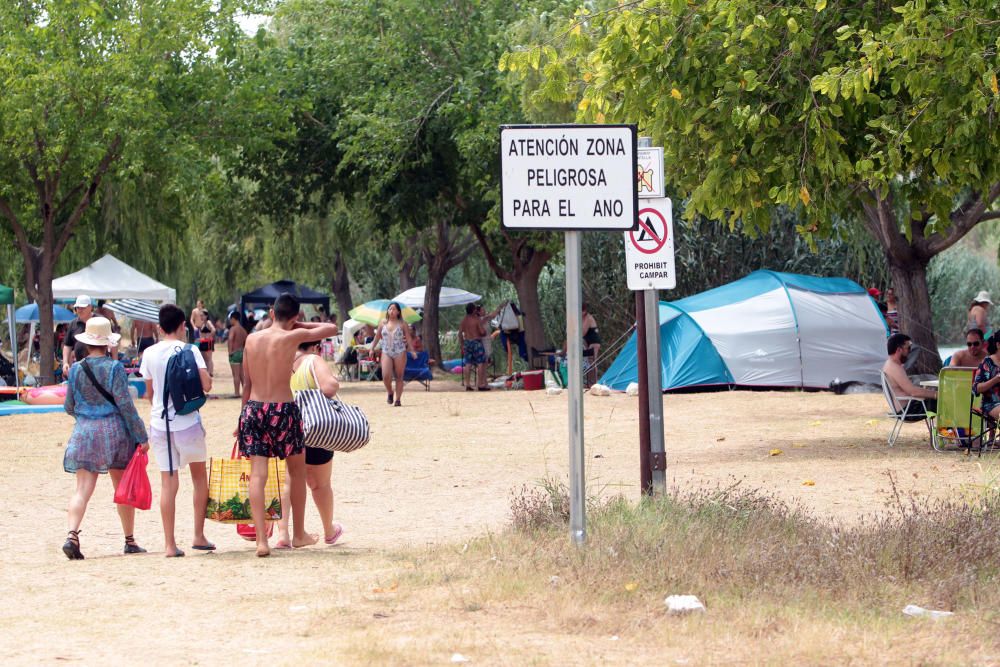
pixel 527 263
pixel 908 258
pixel 436 271
pixel 526 283
pixel 46 328
pixel 910 282
pixel 341 288
pixel 442 248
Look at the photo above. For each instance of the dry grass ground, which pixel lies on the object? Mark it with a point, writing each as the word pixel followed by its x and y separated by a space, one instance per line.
pixel 412 584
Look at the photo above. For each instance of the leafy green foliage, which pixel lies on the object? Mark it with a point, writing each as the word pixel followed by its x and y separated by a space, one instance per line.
pixel 800 105
pixel 837 110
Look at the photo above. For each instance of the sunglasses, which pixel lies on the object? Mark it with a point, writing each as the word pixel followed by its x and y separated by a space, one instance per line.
pixel 975 343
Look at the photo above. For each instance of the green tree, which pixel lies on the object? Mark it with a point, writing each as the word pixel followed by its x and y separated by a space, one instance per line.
pixel 857 111
pixel 389 105
pixel 92 90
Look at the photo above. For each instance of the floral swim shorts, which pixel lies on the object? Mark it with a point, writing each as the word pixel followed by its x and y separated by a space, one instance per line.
pixel 475 352
pixel 271 430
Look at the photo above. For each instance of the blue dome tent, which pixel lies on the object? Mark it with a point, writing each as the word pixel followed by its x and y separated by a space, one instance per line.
pixel 768 329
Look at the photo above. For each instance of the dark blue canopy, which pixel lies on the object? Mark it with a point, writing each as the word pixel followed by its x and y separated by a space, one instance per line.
pixel 266 295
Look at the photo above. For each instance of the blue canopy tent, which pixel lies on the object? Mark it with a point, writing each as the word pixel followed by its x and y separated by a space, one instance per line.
pixel 768 329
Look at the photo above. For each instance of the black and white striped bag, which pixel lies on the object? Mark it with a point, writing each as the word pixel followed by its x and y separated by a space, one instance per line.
pixel 331 424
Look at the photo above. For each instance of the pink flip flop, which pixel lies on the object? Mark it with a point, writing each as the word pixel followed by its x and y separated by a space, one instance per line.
pixel 338 530
pixel 281 544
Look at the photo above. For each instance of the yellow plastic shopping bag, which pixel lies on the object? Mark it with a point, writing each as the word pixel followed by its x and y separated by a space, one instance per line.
pixel 228 490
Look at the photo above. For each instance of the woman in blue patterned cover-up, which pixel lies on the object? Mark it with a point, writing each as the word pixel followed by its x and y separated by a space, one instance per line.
pixel 105 435
pixel 987 380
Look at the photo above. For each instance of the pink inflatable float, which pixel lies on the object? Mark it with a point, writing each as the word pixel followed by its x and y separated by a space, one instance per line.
pixel 53 394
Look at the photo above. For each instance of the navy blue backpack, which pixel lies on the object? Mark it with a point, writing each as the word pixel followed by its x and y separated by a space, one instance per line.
pixel 182 387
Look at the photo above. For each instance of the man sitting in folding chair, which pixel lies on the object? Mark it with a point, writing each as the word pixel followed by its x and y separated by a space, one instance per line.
pixel 908 401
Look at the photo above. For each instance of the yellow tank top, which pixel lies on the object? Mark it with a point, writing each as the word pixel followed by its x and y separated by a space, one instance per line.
pixel 303 378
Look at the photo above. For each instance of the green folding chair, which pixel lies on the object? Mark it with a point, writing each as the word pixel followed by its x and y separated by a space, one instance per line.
pixel 953 427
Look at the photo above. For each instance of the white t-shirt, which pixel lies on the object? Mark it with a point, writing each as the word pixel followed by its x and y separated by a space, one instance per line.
pixel 154 367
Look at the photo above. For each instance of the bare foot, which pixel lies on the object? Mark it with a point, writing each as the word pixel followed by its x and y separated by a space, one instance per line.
pixel 307 541
pixel 263 551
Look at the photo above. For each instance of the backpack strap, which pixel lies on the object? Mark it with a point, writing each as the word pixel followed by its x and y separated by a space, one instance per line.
pixel 166 414
pixel 104 392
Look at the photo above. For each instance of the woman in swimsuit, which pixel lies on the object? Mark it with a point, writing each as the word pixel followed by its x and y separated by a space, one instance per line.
pixel 396 340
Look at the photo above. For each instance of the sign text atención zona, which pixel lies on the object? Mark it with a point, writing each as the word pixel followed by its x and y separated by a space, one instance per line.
pixel 566 177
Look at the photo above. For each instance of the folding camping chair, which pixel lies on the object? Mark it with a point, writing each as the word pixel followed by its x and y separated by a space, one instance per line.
pixel 914 409
pixel 955 423
pixel 419 369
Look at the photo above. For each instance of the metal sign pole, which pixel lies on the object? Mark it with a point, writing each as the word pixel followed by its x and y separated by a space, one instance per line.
pixel 574 369
pixel 645 467
pixel 658 458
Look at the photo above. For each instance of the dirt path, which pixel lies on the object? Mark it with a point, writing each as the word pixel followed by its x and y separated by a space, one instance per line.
pixel 440 469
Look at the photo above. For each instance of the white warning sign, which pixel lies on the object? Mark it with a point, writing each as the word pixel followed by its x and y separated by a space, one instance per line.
pixel 568 177
pixel 649 247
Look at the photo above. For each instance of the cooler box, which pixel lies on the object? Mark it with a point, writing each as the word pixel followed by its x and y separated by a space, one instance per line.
pixel 533 380
pixel 139 384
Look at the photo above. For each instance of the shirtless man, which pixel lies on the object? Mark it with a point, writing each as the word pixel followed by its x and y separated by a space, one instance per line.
pixel 974 352
pixel 270 422
pixel 898 346
pixel 198 315
pixel 235 343
pixel 470 336
pixel 143 335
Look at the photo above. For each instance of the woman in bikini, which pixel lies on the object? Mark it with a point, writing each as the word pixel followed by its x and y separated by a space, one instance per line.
pixel 396 340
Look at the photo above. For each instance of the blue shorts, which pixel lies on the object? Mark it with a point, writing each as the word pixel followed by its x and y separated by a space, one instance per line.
pixel 474 352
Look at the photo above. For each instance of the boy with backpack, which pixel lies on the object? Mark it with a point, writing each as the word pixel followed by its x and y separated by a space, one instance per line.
pixel 177 382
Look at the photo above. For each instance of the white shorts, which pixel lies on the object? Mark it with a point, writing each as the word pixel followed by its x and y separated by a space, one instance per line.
pixel 188 446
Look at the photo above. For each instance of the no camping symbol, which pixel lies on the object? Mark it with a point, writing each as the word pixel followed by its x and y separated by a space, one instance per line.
pixel 652 233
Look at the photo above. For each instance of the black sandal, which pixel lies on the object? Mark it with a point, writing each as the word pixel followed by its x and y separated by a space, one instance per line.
pixel 71 547
pixel 131 547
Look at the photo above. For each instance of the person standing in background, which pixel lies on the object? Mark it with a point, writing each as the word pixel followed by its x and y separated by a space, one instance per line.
pixel 84 309
pixel 143 335
pixel 235 343
pixel 979 313
pixel 892 311
pixel 108 314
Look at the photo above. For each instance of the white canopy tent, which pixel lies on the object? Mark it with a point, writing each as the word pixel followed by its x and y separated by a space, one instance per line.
pixel 111 278
pixel 450 296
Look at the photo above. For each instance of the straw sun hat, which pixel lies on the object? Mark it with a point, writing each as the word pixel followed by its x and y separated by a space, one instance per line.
pixel 98 332
pixel 983 297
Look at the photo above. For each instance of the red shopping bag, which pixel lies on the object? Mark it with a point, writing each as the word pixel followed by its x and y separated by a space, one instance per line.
pixel 134 489
pixel 247 530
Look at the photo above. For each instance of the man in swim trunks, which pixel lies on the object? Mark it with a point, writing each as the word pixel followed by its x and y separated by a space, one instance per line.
pixel 143 335
pixel 270 423
pixel 470 336
pixel 235 342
